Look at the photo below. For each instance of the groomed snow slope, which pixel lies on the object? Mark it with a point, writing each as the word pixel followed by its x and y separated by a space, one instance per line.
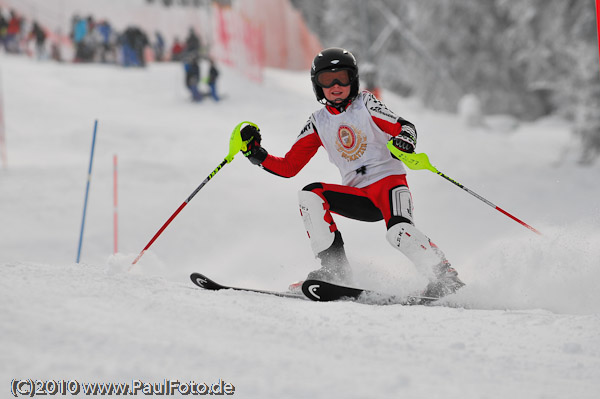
pixel 526 326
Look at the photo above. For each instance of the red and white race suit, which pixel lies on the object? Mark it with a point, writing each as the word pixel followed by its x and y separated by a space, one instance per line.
pixel 373 185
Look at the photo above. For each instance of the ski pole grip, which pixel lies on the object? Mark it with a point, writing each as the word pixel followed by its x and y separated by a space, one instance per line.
pixel 413 160
pixel 235 141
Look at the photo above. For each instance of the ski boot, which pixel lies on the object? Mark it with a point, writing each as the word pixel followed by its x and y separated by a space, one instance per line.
pixel 446 281
pixel 335 267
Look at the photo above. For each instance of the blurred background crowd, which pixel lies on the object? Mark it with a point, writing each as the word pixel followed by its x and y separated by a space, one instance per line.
pixel 96 40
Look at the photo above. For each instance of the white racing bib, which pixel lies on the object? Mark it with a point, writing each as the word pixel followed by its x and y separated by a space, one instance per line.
pixel 355 144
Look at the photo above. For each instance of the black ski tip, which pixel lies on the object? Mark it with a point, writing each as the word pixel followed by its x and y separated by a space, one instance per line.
pixel 323 291
pixel 204 282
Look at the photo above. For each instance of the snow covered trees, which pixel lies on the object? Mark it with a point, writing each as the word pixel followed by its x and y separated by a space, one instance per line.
pixel 526 58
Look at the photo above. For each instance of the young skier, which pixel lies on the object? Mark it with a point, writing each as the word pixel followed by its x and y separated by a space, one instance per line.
pixel 354 128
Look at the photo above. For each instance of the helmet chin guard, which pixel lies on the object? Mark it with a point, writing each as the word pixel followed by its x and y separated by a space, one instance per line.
pixel 334 59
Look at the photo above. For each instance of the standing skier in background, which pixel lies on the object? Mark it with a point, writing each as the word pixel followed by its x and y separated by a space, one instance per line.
pixel 354 128
pixel 213 74
pixel 192 76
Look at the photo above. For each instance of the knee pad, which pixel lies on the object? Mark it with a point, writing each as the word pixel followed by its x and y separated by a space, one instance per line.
pixel 317 221
pixel 401 204
pixel 415 246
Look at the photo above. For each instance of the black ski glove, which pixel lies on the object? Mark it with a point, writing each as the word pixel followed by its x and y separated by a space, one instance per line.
pixel 407 139
pixel 254 152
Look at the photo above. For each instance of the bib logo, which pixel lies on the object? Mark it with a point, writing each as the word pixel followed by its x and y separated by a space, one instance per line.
pixel 352 145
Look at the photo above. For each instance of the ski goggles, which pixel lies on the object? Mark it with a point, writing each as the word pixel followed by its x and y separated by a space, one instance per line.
pixel 327 79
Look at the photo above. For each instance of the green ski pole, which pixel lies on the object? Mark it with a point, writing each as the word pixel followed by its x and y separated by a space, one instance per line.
pixel 421 161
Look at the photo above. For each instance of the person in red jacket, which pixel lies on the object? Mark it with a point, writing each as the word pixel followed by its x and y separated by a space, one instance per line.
pixel 13 33
pixel 176 50
pixel 354 128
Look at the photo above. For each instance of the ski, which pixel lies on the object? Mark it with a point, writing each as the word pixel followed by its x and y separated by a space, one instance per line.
pixel 204 282
pixel 322 291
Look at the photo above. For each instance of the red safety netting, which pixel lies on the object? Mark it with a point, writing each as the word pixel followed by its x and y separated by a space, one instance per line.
pixel 259 33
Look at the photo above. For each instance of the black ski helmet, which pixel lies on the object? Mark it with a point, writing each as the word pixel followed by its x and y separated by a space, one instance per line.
pixel 334 59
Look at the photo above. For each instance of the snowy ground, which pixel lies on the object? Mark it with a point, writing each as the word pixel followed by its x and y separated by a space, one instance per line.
pixel 526 326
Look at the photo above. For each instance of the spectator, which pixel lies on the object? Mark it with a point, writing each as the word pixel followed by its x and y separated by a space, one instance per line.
pixel 13 31
pixel 127 42
pixel 39 35
pixel 159 47
pixel 55 52
pixel 3 28
pixel 213 74
pixel 133 42
pixel 192 43
pixel 105 34
pixel 139 45
pixel 80 31
pixel 176 50
pixel 192 77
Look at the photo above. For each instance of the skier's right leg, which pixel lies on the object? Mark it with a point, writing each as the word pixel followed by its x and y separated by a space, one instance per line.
pixel 325 240
pixel 317 202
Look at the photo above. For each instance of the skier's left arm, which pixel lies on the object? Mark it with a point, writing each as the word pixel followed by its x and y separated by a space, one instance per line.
pixel 403 132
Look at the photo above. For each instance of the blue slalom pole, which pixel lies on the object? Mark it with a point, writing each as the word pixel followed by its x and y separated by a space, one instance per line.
pixel 87 190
